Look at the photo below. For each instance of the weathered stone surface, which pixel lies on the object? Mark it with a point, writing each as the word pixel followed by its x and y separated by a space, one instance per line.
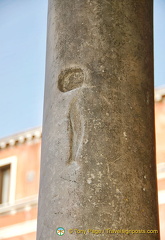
pixel 98 150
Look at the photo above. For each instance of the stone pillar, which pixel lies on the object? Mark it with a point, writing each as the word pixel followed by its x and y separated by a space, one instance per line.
pixel 98 151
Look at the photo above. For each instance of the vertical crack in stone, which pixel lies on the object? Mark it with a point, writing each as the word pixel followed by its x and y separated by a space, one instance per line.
pixel 76 129
pixel 70 130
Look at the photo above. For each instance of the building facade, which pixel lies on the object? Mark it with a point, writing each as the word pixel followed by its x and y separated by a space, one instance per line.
pixel 19 184
pixel 160 154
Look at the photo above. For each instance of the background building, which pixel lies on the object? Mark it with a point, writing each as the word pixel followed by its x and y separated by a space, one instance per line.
pixel 160 154
pixel 19 178
pixel 19 184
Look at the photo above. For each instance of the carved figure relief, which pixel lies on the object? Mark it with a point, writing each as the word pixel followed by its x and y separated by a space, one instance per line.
pixel 71 79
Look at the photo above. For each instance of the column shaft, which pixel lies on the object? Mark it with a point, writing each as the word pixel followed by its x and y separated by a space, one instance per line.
pixel 98 149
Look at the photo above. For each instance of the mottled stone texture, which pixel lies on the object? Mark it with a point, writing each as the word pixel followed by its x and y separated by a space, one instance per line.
pixel 98 150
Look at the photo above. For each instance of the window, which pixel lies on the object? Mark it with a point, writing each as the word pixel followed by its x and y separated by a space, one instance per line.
pixel 4 184
pixel 7 180
pixel 161 170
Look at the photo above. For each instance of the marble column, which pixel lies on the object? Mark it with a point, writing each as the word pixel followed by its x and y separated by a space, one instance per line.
pixel 98 169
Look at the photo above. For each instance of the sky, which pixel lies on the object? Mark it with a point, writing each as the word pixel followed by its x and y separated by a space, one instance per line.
pixel 23 26
pixel 22 64
pixel 159 42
